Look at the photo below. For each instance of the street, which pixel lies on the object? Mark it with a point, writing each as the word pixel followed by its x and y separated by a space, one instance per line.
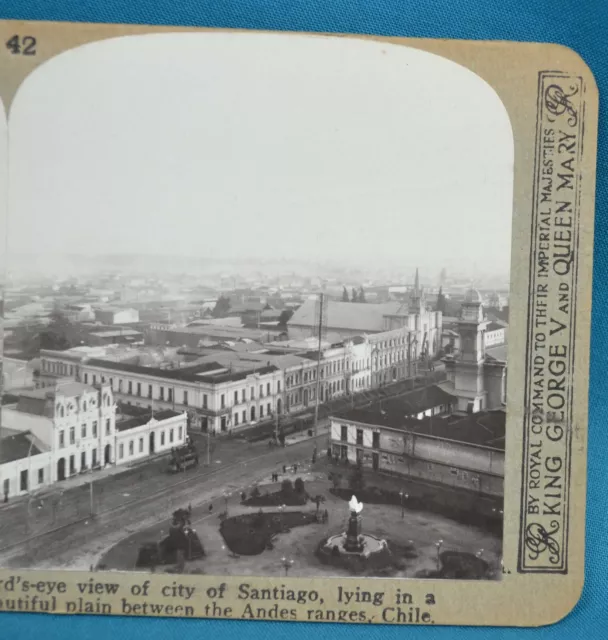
pixel 131 501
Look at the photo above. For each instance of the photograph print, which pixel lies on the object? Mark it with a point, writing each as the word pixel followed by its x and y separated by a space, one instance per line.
pixel 256 310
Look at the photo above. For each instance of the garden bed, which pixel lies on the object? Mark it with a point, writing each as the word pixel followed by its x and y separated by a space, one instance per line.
pixel 290 495
pixel 251 534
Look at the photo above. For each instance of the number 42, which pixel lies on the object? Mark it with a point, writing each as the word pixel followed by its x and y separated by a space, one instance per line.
pixel 25 46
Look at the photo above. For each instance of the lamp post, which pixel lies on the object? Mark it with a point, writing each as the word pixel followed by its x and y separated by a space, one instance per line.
pixel 286 563
pixel 438 545
pixel 226 496
pixel 403 496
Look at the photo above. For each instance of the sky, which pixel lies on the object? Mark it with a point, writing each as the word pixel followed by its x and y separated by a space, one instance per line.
pixel 257 146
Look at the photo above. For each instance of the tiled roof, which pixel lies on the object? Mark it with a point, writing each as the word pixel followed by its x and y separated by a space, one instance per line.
pixel 355 316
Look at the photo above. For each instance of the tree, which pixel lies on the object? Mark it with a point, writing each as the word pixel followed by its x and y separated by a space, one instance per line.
pixel 285 317
pixel 354 297
pixel 345 297
pixel 299 485
pixel 286 486
pixel 356 481
pixel 361 295
pixel 222 307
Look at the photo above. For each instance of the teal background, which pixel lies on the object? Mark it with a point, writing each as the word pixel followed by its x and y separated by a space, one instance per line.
pixel 579 24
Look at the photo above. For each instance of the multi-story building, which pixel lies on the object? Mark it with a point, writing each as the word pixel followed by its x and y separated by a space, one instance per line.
pixel 464 451
pixel 74 422
pixel 399 334
pixel 52 434
pixel 217 398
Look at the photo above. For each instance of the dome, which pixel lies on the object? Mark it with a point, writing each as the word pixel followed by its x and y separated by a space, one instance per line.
pixel 472 296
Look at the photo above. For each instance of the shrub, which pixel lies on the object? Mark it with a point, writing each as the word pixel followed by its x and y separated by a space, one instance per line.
pixel 286 486
pixel 356 481
pixel 299 485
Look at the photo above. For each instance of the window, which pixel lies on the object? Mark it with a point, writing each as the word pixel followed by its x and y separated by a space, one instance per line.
pixel 83 460
pixel 343 433
pixel 139 388
pixel 83 431
pixel 222 401
pixel 170 435
pixel 162 393
pixel 84 406
pixel 376 440
pixel 269 409
pixel 243 396
pixel 72 435
pixel 261 391
pixel 252 393
pixel 204 401
pixel 120 386
pixel 252 414
pixel 268 389
pixel 149 391
pixel 61 439
pixel 236 397
pixel 261 411
pixel 186 398
pixel 94 458
pixel 108 427
pixel 179 434
pixel 130 387
pixel 121 450
pixel 170 395
pixel 279 386
pixel 40 476
pixel 236 419
pixel 360 436
pixel 131 447
pixel 244 417
pixel 141 445
pixel 162 437
pixel 86 378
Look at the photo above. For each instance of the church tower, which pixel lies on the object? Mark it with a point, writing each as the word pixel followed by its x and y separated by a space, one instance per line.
pixel 416 302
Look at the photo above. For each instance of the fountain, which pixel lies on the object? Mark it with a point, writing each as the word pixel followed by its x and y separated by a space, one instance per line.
pixel 352 549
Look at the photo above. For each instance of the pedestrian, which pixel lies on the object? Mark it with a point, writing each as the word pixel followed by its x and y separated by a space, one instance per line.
pixel 284 468
pixel 295 468
pixel 210 508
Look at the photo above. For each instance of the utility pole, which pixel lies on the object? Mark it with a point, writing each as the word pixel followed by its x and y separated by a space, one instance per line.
pixel 318 386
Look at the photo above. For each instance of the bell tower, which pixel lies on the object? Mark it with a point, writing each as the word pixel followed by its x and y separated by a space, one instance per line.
pixel 469 362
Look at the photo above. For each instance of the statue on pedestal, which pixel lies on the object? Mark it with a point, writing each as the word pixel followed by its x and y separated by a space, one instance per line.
pixel 354 542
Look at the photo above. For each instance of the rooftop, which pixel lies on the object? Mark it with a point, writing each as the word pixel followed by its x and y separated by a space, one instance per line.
pixel 131 422
pixel 207 372
pixel 17 447
pixel 485 429
pixel 355 316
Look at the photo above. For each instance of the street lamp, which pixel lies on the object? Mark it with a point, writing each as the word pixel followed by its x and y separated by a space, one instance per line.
pixel 438 545
pixel 287 563
pixel 403 496
pixel 226 496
